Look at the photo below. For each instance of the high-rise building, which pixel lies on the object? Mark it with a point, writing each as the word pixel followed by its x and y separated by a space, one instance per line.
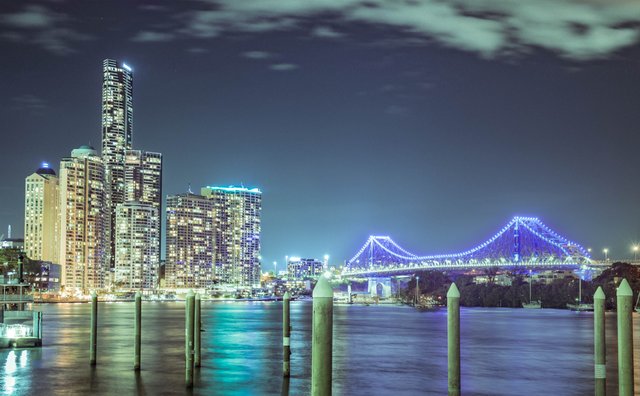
pixel 143 177
pixel 236 214
pixel 189 241
pixel 143 183
pixel 137 259
pixel 117 122
pixel 84 220
pixel 117 125
pixel 41 220
pixel 299 269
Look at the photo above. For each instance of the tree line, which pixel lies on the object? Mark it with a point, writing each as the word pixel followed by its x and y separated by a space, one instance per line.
pixel 555 294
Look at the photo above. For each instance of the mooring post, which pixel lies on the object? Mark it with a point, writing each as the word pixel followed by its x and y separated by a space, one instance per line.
pixel 37 325
pixel 322 338
pixel 197 330
pixel 625 339
pixel 453 339
pixel 599 347
pixel 188 344
pixel 286 335
pixel 93 334
pixel 137 329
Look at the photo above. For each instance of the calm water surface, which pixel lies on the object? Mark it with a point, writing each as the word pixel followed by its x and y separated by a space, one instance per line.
pixel 378 350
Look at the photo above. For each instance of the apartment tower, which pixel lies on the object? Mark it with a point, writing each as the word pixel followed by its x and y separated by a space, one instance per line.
pixel 84 220
pixel 41 221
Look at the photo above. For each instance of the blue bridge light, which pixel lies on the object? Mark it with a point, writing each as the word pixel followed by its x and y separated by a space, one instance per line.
pixel 523 242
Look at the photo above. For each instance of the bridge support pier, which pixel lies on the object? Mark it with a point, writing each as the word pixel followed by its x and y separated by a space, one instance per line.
pixel 385 284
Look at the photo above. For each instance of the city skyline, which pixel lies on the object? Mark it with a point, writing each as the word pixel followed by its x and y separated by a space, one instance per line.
pixel 349 129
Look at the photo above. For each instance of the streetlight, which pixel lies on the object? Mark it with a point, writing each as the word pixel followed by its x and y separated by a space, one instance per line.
pixel 606 252
pixel 635 252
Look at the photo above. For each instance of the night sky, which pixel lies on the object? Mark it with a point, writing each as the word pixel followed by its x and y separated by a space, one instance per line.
pixel 433 122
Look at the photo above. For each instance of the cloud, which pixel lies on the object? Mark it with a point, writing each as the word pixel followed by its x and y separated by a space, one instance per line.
pixel 197 50
pixel 153 7
pixel 148 36
pixel 325 32
pixel 257 54
pixel 396 110
pixel 41 26
pixel 573 29
pixel 33 17
pixel 283 66
pixel 30 103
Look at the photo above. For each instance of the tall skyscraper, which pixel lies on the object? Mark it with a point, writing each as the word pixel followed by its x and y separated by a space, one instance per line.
pixel 117 126
pixel 189 241
pixel 137 260
pixel 143 177
pixel 143 184
pixel 84 220
pixel 117 122
pixel 41 220
pixel 236 214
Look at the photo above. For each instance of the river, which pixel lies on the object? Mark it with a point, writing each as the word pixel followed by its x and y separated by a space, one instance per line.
pixel 378 350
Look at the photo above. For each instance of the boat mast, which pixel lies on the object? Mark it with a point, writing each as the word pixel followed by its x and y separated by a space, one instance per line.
pixel 530 280
pixel 579 290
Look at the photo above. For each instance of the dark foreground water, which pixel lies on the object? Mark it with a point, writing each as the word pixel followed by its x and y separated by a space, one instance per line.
pixel 378 350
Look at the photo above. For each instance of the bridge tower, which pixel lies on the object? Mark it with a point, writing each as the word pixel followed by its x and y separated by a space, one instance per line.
pixel 516 242
pixel 380 287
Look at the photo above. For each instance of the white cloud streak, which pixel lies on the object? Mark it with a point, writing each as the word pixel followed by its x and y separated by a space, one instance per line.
pixel 41 26
pixel 326 32
pixel 573 29
pixel 283 67
pixel 257 55
pixel 149 36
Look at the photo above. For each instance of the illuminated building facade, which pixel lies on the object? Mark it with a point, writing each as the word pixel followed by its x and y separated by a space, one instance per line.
pixel 189 241
pixel 143 177
pixel 299 269
pixel 41 220
pixel 236 215
pixel 84 220
pixel 143 184
pixel 117 125
pixel 137 259
pixel 117 122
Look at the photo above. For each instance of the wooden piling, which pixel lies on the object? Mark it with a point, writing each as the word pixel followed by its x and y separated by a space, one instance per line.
pixel 197 330
pixel 93 334
pixel 599 347
pixel 625 339
pixel 286 335
pixel 188 339
pixel 137 330
pixel 322 339
pixel 453 340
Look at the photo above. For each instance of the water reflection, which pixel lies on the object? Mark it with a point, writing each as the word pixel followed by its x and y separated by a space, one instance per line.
pixel 10 367
pixel 285 386
pixel 377 350
pixel 139 384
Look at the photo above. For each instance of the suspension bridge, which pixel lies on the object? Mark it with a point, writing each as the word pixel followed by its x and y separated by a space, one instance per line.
pixel 525 242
